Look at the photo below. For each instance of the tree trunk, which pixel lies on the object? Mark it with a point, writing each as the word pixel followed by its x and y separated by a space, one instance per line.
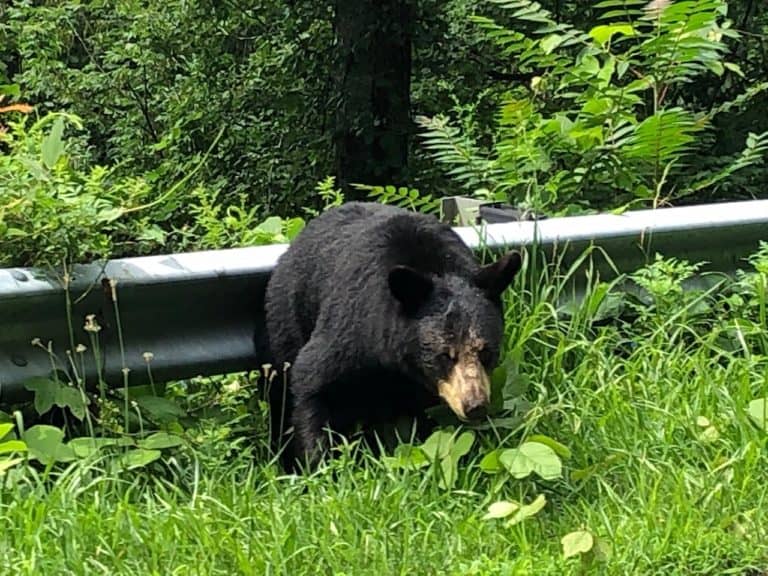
pixel 373 112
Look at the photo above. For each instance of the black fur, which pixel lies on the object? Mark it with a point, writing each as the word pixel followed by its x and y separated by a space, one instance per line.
pixel 363 305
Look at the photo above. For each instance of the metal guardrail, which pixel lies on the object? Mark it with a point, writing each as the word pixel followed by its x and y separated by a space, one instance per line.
pixel 197 312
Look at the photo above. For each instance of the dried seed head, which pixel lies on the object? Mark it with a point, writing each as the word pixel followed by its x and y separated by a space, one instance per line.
pixel 90 324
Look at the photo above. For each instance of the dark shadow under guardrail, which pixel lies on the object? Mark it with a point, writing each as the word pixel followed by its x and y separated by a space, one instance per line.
pixel 196 313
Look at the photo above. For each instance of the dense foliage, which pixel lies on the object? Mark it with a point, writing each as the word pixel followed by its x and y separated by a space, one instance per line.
pixel 604 119
pixel 231 107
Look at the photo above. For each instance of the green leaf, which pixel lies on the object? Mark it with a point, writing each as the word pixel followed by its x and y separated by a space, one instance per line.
pixel 5 429
pixel 549 43
pixel 735 68
pixel 560 449
pixel 758 411
pixel 528 510
pixel 515 384
pixel 490 463
pixel 455 150
pixel 448 467
pixel 49 392
pixel 111 214
pixel 138 458
pixel 272 225
pixel 501 509
pixel 8 464
pixel 508 423
pixel 160 440
pixel 52 146
pixel 13 90
pixel 709 434
pixel 293 226
pixel 86 446
pixel 602 34
pixel 438 445
pixel 716 67
pixel 589 65
pixel 64 453
pixel 45 391
pixel 44 443
pixel 663 137
pixel 70 397
pixel 621 68
pixel 575 543
pixel 532 457
pixel 595 107
pixel 463 444
pixel 442 446
pixel 407 456
pixel 152 233
pixel 12 446
pixel 160 409
pixel 498 377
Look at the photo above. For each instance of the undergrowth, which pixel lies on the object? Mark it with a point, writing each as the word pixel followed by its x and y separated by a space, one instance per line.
pixel 628 437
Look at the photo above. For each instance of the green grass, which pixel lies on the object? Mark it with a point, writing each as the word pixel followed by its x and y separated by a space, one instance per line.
pixel 666 468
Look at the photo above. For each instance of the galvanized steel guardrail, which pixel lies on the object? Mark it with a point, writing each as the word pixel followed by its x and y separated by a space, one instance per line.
pixel 196 313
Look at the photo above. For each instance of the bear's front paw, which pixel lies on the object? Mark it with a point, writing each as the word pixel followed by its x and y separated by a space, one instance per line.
pixel 312 441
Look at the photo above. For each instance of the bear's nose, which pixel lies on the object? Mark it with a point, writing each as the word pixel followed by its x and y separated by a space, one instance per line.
pixel 475 410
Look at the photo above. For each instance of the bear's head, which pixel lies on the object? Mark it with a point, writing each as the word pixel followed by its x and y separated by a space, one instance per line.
pixel 458 326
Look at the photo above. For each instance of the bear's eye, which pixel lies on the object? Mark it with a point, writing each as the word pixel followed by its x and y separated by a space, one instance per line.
pixel 448 356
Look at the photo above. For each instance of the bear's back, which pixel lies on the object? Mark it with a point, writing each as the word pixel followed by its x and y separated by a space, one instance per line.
pixel 364 240
pixel 342 259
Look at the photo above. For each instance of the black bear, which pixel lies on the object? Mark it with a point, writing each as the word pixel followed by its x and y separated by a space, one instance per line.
pixel 380 312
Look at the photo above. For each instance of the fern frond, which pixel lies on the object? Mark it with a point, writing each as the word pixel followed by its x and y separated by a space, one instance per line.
pixel 687 40
pixel 739 101
pixel 663 137
pixel 402 197
pixel 581 127
pixel 754 153
pixel 530 53
pixel 624 9
pixel 448 146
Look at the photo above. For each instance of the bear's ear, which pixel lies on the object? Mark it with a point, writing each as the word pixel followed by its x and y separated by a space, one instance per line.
pixel 494 278
pixel 410 287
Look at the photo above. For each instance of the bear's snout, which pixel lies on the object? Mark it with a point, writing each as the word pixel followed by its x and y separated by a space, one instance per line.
pixel 466 390
pixel 476 408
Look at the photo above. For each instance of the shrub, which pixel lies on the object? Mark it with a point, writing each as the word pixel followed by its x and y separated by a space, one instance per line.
pixel 601 121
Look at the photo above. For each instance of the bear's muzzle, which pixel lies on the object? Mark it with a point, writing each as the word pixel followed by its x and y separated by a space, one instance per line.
pixel 466 390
